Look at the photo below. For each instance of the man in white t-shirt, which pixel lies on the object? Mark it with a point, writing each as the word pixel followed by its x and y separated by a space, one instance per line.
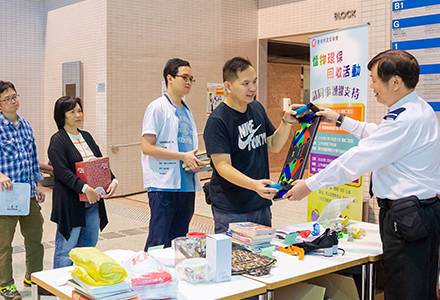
pixel 169 140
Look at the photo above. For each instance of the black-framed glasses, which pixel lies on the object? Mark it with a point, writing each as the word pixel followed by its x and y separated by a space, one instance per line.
pixel 9 100
pixel 187 78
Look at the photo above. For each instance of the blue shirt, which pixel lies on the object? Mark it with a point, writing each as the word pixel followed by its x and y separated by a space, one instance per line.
pixel 18 159
pixel 185 144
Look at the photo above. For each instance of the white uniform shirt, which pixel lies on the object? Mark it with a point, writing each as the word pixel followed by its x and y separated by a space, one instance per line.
pixel 403 152
pixel 160 119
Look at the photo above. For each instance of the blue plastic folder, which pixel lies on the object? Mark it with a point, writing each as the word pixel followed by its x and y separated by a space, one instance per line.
pixel 17 201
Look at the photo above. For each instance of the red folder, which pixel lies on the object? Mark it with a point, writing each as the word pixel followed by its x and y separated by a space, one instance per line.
pixel 96 173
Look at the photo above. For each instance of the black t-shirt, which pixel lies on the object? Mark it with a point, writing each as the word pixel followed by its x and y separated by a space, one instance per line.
pixel 244 137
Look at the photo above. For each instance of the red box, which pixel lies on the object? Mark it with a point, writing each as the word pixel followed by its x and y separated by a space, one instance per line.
pixel 96 173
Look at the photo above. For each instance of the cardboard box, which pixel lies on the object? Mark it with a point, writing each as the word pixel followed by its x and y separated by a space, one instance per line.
pixel 218 254
pixel 337 287
pixel 96 173
pixel 300 291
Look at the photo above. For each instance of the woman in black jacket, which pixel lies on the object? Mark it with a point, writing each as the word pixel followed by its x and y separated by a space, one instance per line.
pixel 78 222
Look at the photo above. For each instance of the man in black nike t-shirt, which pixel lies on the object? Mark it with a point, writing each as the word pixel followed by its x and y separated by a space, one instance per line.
pixel 237 136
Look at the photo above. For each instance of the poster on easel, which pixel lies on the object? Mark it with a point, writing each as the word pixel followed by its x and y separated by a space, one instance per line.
pixel 339 81
pixel 215 94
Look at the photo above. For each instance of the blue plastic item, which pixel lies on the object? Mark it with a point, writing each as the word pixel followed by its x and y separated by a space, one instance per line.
pixel 302 109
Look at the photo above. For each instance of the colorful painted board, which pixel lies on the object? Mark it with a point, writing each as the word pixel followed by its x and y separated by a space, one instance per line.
pixel 296 160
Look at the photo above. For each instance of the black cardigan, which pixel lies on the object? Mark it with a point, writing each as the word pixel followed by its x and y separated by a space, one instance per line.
pixel 67 211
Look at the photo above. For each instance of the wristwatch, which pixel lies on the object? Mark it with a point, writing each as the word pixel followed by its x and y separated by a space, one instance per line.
pixel 340 120
pixel 288 123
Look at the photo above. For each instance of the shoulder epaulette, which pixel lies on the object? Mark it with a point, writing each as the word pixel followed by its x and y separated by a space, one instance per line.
pixel 392 115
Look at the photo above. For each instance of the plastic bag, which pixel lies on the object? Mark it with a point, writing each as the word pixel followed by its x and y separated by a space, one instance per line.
pixel 140 262
pixel 167 290
pixel 96 268
pixel 149 278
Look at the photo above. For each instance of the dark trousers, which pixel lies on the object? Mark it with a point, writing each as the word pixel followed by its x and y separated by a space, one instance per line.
pixel 171 213
pixel 410 268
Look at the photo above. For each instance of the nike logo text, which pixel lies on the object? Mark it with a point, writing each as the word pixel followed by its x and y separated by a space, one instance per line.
pixel 247 136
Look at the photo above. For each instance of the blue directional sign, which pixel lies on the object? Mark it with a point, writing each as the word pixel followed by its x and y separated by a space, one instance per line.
pixel 416 21
pixel 401 5
pixel 417 44
pixel 416 29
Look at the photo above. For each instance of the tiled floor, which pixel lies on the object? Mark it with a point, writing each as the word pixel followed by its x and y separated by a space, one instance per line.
pixel 128 228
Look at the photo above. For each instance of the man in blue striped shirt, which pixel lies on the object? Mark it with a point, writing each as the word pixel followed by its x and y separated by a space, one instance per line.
pixel 19 163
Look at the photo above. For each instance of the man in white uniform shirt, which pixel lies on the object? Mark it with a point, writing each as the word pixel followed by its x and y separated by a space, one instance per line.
pixel 403 154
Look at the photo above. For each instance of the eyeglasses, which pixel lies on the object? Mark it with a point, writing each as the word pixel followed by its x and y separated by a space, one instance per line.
pixel 11 99
pixel 186 78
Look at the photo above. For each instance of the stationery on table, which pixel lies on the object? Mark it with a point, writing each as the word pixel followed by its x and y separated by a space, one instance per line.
pixel 17 201
pixel 254 248
pixel 118 291
pixel 104 289
pixel 252 236
pixel 251 228
pixel 77 295
pixel 258 239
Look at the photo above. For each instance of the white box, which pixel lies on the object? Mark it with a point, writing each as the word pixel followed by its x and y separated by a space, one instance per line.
pixel 218 254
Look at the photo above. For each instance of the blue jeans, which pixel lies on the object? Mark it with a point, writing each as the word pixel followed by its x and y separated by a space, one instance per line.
pixel 79 237
pixel 171 213
pixel 223 218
